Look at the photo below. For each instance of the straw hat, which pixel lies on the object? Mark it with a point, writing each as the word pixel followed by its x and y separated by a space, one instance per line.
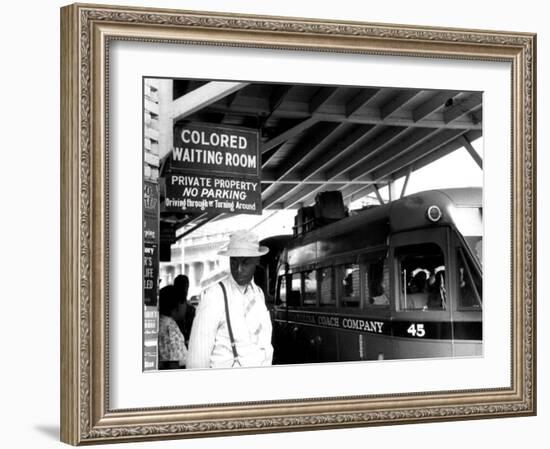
pixel 244 244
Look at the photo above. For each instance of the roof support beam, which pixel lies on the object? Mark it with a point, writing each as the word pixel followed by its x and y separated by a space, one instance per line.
pixel 433 156
pixel 418 152
pixel 475 156
pixel 321 97
pixel 347 144
pixel 360 101
pixel 397 102
pixel 308 193
pixel 405 159
pixel 462 107
pixel 378 195
pixel 195 224
pixel 277 98
pixel 201 97
pixel 318 180
pixel 366 170
pixel 371 147
pixel 316 166
pixel 366 117
pixel 433 104
pixel 313 144
pixel 406 183
pixel 444 150
pixel 392 190
pixel 266 157
pixel 289 133
pixel 396 150
pixel 378 143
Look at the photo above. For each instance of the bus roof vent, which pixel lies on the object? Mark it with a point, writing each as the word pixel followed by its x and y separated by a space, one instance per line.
pixel 304 221
pixel 328 208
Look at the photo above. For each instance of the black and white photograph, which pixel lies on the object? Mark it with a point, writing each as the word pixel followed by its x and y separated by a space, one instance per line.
pixel 289 224
pixel 284 221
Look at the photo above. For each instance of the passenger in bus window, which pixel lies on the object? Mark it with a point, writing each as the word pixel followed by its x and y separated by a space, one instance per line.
pixel 310 288
pixel 417 295
pixel 349 290
pixel 379 279
pixel 437 293
pixel 379 297
pixel 348 283
pixel 466 293
pixel 294 295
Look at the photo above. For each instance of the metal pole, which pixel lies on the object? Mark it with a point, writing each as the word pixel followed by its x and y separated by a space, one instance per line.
pixel 380 199
pixel 403 190
pixel 475 156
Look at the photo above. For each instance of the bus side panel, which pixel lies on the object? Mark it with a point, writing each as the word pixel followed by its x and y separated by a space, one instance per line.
pixel 281 343
pixel 410 348
pixel 378 347
pixel 465 348
pixel 327 345
pixel 354 346
pixel 293 343
pixel 350 347
pixel 304 343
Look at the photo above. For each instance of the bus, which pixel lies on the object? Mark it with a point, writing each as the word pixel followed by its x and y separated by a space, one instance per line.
pixel 396 281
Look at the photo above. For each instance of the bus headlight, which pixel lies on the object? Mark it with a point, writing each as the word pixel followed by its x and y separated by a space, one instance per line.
pixel 434 214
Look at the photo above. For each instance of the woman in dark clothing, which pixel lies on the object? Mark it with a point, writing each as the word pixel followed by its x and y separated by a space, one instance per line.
pixel 181 284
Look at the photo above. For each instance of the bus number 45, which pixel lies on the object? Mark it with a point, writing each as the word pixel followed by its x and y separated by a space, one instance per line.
pixel 416 330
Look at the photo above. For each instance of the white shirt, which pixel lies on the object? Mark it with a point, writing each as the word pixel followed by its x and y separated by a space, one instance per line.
pixel 209 343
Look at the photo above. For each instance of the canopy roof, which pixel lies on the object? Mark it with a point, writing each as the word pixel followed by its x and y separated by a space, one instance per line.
pixel 315 138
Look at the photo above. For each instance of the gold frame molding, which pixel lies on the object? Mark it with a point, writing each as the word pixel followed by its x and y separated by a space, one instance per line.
pixel 86 31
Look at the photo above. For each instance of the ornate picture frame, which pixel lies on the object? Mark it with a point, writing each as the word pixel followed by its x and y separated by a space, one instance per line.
pixel 87 32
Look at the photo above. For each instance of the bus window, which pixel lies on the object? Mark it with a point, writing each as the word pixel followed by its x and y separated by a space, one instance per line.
pixel 422 283
pixel 310 288
pixel 295 292
pixel 282 290
pixel 469 283
pixel 350 293
pixel 326 287
pixel 378 283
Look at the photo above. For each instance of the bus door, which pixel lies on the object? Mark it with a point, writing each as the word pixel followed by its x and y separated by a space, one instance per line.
pixel 421 305
pixel 327 331
pixel 294 325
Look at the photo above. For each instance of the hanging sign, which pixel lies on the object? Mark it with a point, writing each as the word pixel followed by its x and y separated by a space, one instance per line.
pixel 214 169
pixel 216 149
pixel 208 193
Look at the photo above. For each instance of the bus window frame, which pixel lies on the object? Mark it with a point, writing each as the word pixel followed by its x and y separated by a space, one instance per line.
pixel 278 302
pixel 463 255
pixel 338 275
pixel 289 282
pixel 365 260
pixel 303 287
pixel 332 268
pixel 439 235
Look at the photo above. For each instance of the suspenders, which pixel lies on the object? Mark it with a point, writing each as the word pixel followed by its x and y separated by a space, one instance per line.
pixel 233 344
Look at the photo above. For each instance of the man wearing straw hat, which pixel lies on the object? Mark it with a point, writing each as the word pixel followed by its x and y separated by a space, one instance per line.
pixel 232 326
